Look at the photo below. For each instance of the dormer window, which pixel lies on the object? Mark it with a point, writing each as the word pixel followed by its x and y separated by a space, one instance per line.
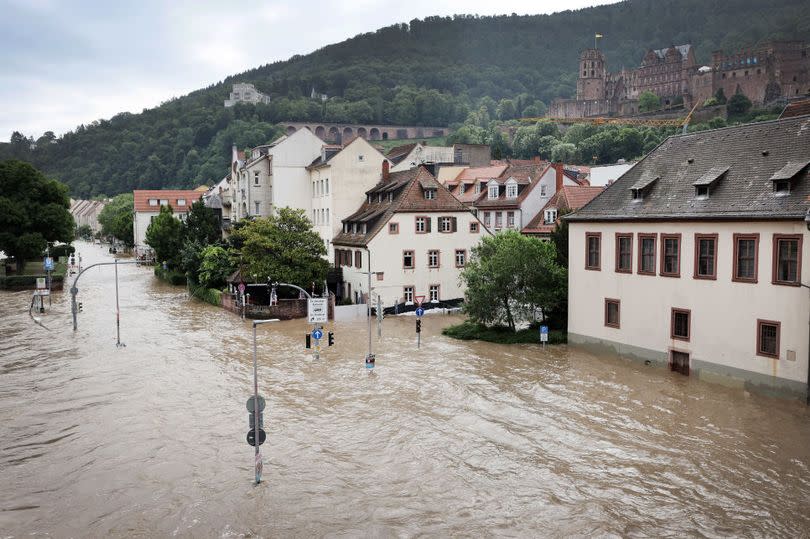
pixel 379 197
pixel 430 194
pixel 390 197
pixel 783 178
pixel 781 187
pixel 461 189
pixel 550 216
pixel 494 188
pixel 511 189
pixel 642 186
pixel 637 194
pixel 702 192
pixel 153 202
pixel 354 228
pixel 368 199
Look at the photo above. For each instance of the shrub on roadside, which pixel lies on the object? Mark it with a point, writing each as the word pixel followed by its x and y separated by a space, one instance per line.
pixel 470 331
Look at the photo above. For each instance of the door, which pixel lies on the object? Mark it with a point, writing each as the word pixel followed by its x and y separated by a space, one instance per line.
pixel 679 362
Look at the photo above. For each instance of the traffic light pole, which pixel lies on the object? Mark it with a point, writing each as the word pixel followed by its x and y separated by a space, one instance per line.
pixel 258 457
pixel 74 291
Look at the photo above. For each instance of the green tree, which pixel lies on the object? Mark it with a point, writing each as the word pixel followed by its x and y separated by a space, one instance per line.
pixel 506 110
pixel 283 248
pixel 509 276
pixel 84 232
pixel 116 218
pixel 202 224
pixel 563 152
pixel 215 267
pixel 165 236
pixel 720 96
pixel 33 210
pixel 648 101
pixel 738 105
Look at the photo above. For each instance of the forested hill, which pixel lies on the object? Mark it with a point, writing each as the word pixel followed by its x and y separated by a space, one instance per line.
pixel 431 72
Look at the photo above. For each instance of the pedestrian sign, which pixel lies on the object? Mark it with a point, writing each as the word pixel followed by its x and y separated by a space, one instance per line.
pixel 317 310
pixel 420 311
pixel 317 334
pixel 543 333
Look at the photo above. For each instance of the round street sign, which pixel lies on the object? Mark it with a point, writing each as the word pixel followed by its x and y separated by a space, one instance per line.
pixel 241 288
pixel 420 311
pixel 317 334
pixel 251 437
pixel 250 404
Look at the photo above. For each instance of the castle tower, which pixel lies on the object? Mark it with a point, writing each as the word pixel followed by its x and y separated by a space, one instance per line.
pixel 592 75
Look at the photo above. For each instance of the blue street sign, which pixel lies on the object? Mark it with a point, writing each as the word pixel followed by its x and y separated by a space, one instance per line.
pixel 420 311
pixel 543 330
pixel 317 334
pixel 49 264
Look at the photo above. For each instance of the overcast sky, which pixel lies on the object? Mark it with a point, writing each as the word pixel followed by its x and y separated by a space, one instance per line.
pixel 64 63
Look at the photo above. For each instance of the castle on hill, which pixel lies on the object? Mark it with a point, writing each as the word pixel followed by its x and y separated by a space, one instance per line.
pixel 773 70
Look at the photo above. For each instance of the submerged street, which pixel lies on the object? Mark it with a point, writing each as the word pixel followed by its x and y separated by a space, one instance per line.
pixel 457 438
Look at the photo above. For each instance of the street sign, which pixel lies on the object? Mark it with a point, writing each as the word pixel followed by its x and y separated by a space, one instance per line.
pixel 251 406
pixel 543 333
pixel 317 310
pixel 251 437
pixel 419 300
pixel 420 311
pixel 317 333
pixel 48 264
pixel 41 283
pixel 241 288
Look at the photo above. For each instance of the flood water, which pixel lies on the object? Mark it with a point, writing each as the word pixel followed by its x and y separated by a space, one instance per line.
pixel 457 438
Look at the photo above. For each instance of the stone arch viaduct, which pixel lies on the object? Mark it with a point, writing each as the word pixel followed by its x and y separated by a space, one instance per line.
pixel 342 133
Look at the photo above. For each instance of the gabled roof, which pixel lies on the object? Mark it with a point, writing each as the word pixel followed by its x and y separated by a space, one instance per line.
pixel 790 170
pixel 476 173
pixel 408 188
pixel 569 198
pixel 756 152
pixel 170 195
pixel 526 176
pixel 398 153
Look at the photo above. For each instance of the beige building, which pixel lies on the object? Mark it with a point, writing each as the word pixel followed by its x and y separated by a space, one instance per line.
pixel 147 206
pixel 244 92
pixel 413 235
pixel 338 178
pixel 85 212
pixel 694 258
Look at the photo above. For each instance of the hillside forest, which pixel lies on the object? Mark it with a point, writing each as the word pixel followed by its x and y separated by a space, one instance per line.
pixel 475 74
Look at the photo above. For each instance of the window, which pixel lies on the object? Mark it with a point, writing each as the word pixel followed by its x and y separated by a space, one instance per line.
pixel 393 228
pixel 705 256
pixel 461 258
pixel 164 202
pixel 181 201
pixel 498 219
pixel 593 243
pixel 542 190
pixel 550 216
pixel 473 227
pixel 486 219
pixel 702 191
pixel 461 189
pixel 787 257
pixel 358 259
pixel 646 254
pixel 153 202
pixel 257 208
pixel 493 190
pixel 326 185
pixel 624 252
pixel 361 157
pixel 478 188
pixel 434 293
pixel 445 224
pixel 768 338
pixel 781 187
pixel 511 190
pixel 671 255
pixel 430 194
pixel 407 293
pixel 746 258
pixel 407 259
pixel 612 312
pixel 433 258
pixel 421 225
pixel 256 178
pixel 380 275
pixel 680 325
pixel 510 219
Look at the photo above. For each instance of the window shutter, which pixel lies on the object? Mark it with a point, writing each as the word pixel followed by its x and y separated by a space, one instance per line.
pixel 454 225
pixel 427 224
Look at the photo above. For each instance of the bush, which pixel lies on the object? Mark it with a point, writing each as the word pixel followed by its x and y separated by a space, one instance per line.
pixel 62 250
pixel 170 276
pixel 208 295
pixel 470 331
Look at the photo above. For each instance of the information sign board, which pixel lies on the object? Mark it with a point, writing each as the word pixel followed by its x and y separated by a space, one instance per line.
pixel 317 310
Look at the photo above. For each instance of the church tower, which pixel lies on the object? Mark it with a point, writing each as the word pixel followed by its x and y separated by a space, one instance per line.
pixel 592 75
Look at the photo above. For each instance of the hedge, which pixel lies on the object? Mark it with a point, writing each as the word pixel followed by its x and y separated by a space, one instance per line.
pixel 208 295
pixel 470 331
pixel 170 276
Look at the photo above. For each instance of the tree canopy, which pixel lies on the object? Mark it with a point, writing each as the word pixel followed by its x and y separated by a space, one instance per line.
pixel 509 277
pixel 116 218
pixel 165 236
pixel 33 211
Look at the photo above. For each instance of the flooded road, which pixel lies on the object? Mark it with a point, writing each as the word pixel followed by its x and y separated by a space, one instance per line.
pixel 468 439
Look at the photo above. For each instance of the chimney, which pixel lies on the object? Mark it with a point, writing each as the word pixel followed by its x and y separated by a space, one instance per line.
pixel 385 168
pixel 559 180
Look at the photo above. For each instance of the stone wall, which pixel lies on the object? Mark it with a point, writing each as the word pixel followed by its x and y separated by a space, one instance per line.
pixel 286 309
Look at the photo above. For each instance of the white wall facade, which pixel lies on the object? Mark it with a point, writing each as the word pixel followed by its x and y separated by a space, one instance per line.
pixel 529 206
pixel 724 313
pixel 387 258
pixel 142 220
pixel 338 187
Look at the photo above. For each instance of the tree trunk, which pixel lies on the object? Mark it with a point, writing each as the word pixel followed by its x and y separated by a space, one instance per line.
pixel 509 319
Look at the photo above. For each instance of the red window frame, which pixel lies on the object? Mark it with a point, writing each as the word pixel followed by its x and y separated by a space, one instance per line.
pixel 647 236
pixel 619 237
pixel 778 325
pixel 698 238
pixel 737 238
pixel 618 303
pixel 777 238
pixel 413 259
pixel 672 334
pixel 598 236
pixel 664 238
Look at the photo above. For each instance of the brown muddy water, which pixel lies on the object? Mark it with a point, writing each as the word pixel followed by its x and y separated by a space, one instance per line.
pixel 456 439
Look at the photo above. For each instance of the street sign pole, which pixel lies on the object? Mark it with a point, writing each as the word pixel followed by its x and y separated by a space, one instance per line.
pixel 117 310
pixel 379 316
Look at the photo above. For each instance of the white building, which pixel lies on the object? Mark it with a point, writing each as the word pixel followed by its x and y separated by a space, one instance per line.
pixel 413 235
pixel 147 207
pixel 244 92
pixel 607 174
pixel 694 258
pixel 274 176
pixel 337 180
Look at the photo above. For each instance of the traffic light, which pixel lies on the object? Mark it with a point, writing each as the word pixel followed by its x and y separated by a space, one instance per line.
pixel 331 338
pixel 80 306
pixel 418 326
pixel 309 340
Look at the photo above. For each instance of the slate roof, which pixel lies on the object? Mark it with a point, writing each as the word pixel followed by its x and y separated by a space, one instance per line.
pixel 526 177
pixel 754 153
pixel 569 198
pixel 407 187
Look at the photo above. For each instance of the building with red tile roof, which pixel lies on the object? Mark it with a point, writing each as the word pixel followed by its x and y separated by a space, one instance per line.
pixel 147 206
pixel 569 198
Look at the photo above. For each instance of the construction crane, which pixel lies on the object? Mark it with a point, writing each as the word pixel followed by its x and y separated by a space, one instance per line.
pixel 601 120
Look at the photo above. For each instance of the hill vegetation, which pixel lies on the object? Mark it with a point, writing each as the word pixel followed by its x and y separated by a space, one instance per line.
pixel 435 71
